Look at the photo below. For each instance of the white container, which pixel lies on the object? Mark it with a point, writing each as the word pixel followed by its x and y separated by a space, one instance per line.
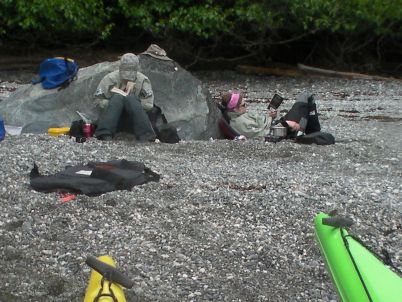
pixel 279 131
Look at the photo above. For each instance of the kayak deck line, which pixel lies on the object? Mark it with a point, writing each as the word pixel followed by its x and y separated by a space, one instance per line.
pixel 358 273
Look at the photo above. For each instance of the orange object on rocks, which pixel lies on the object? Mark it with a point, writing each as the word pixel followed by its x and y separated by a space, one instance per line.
pixel 66 197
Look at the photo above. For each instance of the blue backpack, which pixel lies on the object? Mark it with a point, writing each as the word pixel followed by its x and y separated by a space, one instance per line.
pixel 2 129
pixel 56 72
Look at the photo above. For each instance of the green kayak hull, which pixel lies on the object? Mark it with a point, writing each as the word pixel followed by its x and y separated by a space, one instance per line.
pixel 358 274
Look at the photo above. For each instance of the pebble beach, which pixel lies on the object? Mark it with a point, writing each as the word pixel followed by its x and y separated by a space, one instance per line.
pixel 228 220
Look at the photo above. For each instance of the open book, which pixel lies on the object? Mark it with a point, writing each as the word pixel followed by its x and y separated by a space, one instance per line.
pixel 275 102
pixel 119 91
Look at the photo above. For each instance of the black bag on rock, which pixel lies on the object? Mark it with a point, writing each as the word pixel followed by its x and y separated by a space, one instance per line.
pixel 167 134
pixel 94 178
pixel 164 132
pixel 77 131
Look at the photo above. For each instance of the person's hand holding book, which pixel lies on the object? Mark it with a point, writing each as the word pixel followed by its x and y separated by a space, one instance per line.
pixel 129 87
pixel 119 91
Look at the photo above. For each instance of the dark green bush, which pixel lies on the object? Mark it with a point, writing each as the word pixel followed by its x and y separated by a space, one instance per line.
pixel 203 19
pixel 228 28
pixel 53 20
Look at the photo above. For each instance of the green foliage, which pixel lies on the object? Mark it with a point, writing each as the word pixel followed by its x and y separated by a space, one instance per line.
pixel 376 17
pixel 245 24
pixel 50 18
pixel 208 19
pixel 203 19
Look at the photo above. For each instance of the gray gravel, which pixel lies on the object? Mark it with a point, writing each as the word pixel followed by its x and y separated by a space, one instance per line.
pixel 228 221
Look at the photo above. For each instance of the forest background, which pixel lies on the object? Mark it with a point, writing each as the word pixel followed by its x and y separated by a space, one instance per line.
pixel 351 35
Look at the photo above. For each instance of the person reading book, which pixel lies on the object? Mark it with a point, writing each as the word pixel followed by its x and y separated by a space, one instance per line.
pixel 301 118
pixel 248 124
pixel 125 92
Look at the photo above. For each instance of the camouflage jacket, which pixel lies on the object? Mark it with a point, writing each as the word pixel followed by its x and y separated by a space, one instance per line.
pixel 250 124
pixel 142 89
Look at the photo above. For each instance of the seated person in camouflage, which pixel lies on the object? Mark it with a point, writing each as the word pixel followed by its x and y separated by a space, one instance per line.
pixel 125 92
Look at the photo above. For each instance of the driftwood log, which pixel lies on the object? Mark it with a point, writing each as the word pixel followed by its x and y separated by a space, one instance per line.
pixel 304 70
pixel 290 72
pixel 342 74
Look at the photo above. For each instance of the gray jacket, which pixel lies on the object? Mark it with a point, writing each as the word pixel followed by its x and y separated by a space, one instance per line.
pixel 250 124
pixel 142 89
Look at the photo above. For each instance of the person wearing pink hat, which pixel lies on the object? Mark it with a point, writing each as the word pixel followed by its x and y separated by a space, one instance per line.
pixel 254 125
pixel 248 124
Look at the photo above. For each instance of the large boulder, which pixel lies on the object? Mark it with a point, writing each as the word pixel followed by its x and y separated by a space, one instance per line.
pixel 186 104
pixel 35 108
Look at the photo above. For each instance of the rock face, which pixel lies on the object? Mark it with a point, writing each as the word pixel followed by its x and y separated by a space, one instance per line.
pixel 187 105
pixel 36 109
pixel 185 102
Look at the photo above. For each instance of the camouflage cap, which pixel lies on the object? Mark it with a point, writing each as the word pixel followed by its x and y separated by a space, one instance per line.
pixel 129 65
pixel 157 52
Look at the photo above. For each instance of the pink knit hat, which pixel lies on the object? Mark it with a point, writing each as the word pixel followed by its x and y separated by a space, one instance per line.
pixel 234 101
